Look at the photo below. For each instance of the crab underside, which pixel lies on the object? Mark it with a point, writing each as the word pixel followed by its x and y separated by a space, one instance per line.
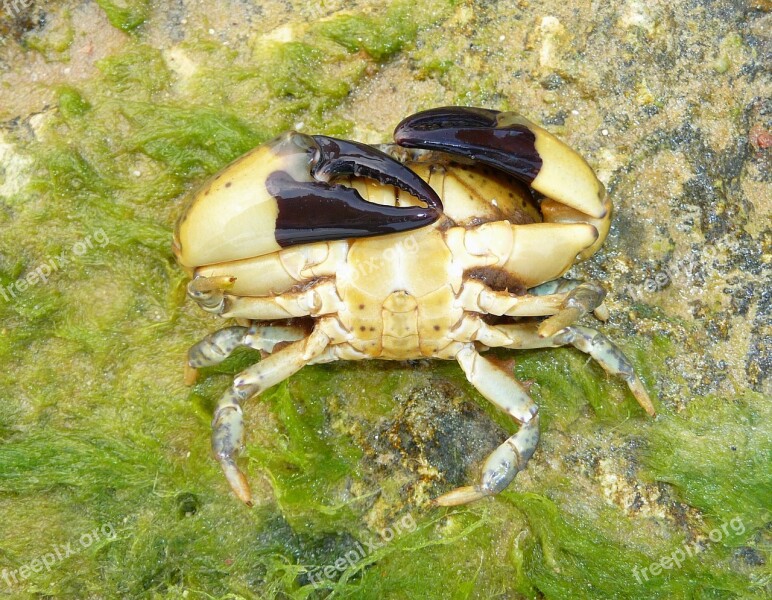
pixel 400 254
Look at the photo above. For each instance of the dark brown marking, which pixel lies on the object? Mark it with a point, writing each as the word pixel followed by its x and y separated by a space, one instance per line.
pixel 497 279
pixel 474 133
pixel 229 184
pixel 312 211
pixel 343 157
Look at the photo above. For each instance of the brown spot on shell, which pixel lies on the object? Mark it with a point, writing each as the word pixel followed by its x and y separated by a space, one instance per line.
pixel 497 279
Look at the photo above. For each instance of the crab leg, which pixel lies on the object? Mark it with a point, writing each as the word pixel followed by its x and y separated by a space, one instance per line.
pixel 592 342
pixel 319 299
pixel 580 299
pixel 567 301
pixel 511 457
pixel 281 271
pixel 530 254
pixel 211 293
pixel 228 421
pixel 218 346
pixel 512 144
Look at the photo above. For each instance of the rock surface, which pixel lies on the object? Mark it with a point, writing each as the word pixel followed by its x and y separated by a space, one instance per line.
pixel 110 112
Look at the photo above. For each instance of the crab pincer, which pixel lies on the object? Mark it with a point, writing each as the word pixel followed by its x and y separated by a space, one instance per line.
pixel 338 211
pixel 283 193
pixel 510 143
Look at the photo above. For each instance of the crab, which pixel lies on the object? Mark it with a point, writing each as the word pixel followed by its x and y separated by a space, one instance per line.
pixel 434 248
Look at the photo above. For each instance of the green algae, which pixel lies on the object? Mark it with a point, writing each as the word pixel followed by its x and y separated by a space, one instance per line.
pixel 383 36
pixel 96 428
pixel 565 556
pixel 126 15
pixel 54 41
pixel 717 454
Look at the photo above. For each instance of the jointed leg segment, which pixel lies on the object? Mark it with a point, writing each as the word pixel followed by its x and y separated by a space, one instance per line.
pixel 604 351
pixel 565 299
pixel 511 457
pixel 218 346
pixel 211 293
pixel 580 298
pixel 228 423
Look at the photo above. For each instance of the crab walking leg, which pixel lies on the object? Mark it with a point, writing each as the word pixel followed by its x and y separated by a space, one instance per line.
pixel 319 299
pixel 218 346
pixel 565 285
pixel 228 421
pixel 581 298
pixel 567 301
pixel 511 457
pixel 590 341
pixel 209 292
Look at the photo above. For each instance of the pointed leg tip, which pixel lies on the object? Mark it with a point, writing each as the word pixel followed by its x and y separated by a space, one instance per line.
pixel 642 396
pixel 211 284
pixel 602 313
pixel 647 406
pixel 547 329
pixel 190 376
pixel 246 497
pixel 239 485
pixel 565 318
pixel 459 496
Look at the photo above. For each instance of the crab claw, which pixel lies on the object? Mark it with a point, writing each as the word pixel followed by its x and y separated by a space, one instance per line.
pixel 344 157
pixel 512 144
pixel 282 194
pixel 316 210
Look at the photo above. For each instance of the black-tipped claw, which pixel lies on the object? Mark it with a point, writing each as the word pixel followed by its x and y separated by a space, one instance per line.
pixel 343 157
pixel 476 133
pixel 311 209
